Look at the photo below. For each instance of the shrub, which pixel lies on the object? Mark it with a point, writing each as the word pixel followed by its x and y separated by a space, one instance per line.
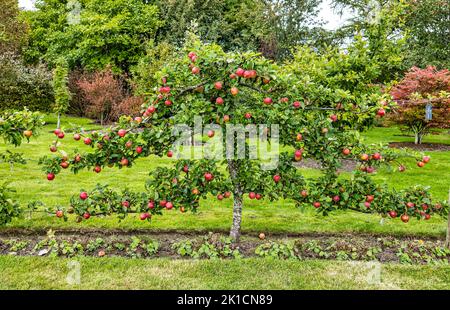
pixel 418 88
pixel 128 106
pixel 22 85
pixel 78 102
pixel 103 92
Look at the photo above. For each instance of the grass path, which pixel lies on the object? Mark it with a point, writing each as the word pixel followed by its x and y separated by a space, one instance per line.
pixel 253 274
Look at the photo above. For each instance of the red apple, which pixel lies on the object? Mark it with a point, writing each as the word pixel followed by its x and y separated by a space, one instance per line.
pixel 186 168
pixel 125 204
pixel 381 112
pixel 226 118
pixel 50 176
pixel 227 194
pixel 296 104
pixel 151 205
pixel 248 115
pixel 97 169
pixel 304 193
pixel 401 168
pixel 220 196
pixel 218 85
pixel 151 109
pixel 346 152
pixel 83 196
pixel 139 149
pixel 420 164
pixel 258 196
pixel 276 178
pixel 144 216
pixel 427 216
pixel 370 198
pixel 64 165
pixel 122 133
pixel 336 198
pixel 376 156
pixel 267 100
pixel 240 72
pixel 252 195
pixel 53 149
pixel 87 141
pixel 191 54
pixel 124 162
pixel 299 137
pixel 86 215
pixel 405 218
pixel 169 205
pixel 367 204
pixel 169 154
pixel 426 159
pixel 233 76
pixel 316 204
pixel 234 91
pixel 28 133
pixel 76 137
pixel 208 176
pixel 163 203
pixel 211 133
pixel 61 135
pixel 167 103
pixel 364 157
pixel 129 144
pixel 59 213
pixel 410 205
pixel 333 117
pixel 392 214
pixel 195 70
pixel 219 100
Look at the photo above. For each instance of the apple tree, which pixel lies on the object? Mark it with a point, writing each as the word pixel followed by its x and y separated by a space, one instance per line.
pixel 300 117
pixel 14 128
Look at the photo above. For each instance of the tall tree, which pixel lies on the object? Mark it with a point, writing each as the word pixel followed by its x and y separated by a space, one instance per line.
pixel 12 29
pixel 93 33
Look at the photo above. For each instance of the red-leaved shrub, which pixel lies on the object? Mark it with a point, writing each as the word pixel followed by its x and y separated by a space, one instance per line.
pixel 419 88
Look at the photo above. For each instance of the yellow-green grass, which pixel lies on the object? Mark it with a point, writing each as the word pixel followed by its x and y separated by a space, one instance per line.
pixel 280 216
pixel 253 274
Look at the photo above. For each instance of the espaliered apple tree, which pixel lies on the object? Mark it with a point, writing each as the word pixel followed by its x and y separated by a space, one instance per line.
pixel 14 128
pixel 245 88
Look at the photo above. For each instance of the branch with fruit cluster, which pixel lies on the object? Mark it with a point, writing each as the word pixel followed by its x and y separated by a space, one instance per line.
pixel 15 126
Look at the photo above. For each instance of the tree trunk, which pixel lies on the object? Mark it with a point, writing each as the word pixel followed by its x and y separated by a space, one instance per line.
pixel 58 124
pixel 235 231
pixel 418 138
pixel 447 240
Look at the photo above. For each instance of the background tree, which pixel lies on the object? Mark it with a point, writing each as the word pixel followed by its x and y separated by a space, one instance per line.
pixel 61 89
pixel 12 29
pixel 427 25
pixel 243 89
pixel 97 34
pixel 419 88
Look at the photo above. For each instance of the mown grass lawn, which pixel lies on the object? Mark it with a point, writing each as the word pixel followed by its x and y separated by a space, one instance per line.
pixel 251 274
pixel 280 216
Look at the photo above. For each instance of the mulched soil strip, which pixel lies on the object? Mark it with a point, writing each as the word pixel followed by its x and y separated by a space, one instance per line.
pixel 23 232
pixel 425 147
pixel 318 245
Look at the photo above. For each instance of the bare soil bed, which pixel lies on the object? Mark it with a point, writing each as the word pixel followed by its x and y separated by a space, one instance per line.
pixel 178 245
